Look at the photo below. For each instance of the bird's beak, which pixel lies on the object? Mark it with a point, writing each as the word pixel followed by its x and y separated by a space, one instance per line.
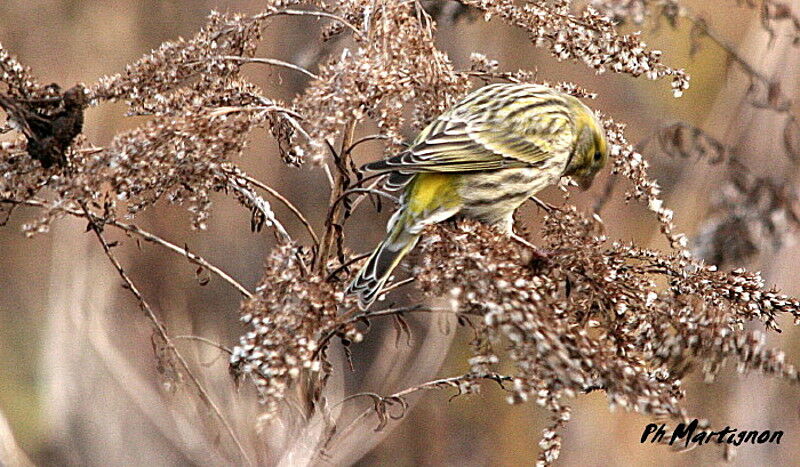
pixel 584 182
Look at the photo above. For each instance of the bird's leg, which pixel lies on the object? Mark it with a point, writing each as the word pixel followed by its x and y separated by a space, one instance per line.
pixel 523 241
pixel 540 252
pixel 544 205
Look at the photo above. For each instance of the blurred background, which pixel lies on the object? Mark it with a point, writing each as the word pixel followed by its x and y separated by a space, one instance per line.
pixel 78 381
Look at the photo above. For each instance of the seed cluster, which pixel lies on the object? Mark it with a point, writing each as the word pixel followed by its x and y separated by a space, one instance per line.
pixel 590 315
pixel 287 319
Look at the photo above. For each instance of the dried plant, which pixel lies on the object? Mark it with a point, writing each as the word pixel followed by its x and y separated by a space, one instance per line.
pixel 764 91
pixel 750 215
pixel 585 313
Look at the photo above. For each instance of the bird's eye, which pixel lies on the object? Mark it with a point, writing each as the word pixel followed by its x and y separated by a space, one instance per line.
pixel 597 156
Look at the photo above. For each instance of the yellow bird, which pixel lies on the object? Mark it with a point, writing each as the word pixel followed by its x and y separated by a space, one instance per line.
pixel 482 159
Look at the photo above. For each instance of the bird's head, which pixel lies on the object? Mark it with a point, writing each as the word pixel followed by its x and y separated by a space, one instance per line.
pixel 590 153
pixel 76 96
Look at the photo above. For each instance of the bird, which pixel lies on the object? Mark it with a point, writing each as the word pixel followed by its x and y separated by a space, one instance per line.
pixel 482 159
pixel 49 135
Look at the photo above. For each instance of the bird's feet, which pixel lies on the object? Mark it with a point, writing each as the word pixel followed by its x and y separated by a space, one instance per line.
pixel 539 253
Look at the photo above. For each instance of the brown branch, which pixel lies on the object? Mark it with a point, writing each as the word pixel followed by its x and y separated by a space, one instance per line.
pixel 370 177
pixel 253 108
pixel 776 99
pixel 453 381
pixel 381 402
pixel 397 285
pixel 543 204
pixel 204 341
pixel 260 205
pixel 363 196
pixel 267 61
pixel 321 14
pixel 257 183
pixel 194 258
pixel 347 263
pixel 328 175
pixel 341 183
pixel 365 315
pixel 364 140
pixel 147 236
pixel 351 191
pixel 162 332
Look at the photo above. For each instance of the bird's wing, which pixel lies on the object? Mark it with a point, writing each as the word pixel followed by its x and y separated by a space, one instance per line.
pixel 16 117
pixel 522 133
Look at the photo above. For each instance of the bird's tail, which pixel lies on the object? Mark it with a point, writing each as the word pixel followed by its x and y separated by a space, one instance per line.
pixel 373 276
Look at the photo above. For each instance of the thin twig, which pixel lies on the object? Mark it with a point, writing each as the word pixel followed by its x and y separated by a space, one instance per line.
pixel 142 393
pixel 355 318
pixel 722 43
pixel 162 332
pixel 364 140
pixel 370 177
pixel 217 111
pixel 205 341
pixel 453 382
pixel 297 126
pixel 328 175
pixel 340 184
pixel 543 204
pixel 322 14
pixel 267 61
pixel 194 258
pixel 701 25
pixel 362 197
pixel 261 205
pixel 383 292
pixel 339 269
pixel 397 285
pixel 399 311
pixel 8 215
pixel 259 184
pixel 365 190
pixel 484 75
pixel 147 236
pixel 523 241
pixel 288 115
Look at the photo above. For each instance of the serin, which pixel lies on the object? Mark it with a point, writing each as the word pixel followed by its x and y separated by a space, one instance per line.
pixel 482 159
